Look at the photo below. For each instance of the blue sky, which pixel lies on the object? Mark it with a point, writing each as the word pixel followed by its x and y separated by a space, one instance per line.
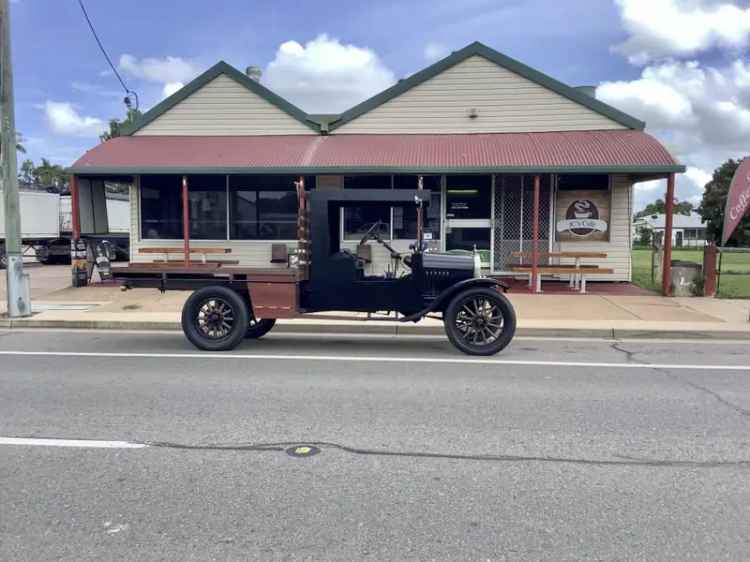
pixel 64 91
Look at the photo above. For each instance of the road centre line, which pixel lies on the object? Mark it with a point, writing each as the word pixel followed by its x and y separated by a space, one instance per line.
pixel 75 443
pixel 374 358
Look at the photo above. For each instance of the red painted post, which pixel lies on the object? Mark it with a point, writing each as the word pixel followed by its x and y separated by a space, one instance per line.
pixel 186 220
pixel 79 267
pixel 666 270
pixel 535 240
pixel 709 270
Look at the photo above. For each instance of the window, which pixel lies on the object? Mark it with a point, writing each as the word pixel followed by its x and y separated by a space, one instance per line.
pixel 585 182
pixel 264 207
pixel 468 239
pixel 405 218
pixel 207 197
pixel 161 207
pixel 468 197
pixel 358 220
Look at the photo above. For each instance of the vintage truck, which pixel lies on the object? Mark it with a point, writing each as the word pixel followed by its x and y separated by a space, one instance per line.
pixel 230 303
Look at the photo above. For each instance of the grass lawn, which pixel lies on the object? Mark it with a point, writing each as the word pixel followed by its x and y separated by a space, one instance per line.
pixel 735 269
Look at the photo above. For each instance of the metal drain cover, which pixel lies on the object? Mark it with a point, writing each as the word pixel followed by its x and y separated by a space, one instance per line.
pixel 302 451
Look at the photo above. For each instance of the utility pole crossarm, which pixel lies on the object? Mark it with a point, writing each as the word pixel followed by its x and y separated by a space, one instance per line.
pixel 19 302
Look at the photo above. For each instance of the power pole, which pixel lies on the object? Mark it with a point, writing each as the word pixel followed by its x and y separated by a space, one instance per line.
pixel 19 301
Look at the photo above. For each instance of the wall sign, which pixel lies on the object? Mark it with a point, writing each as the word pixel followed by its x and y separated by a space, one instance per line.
pixel 582 216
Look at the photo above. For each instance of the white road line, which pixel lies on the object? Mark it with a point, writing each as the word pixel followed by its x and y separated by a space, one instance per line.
pixel 373 359
pixel 80 443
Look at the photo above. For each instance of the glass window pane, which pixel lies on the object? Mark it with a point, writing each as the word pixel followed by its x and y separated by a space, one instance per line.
pixel 264 207
pixel 207 197
pixel 468 197
pixel 358 220
pixel 468 238
pixel 586 182
pixel 161 207
pixel 405 218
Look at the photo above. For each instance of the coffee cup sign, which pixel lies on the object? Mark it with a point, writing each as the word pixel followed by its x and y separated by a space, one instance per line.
pixel 582 217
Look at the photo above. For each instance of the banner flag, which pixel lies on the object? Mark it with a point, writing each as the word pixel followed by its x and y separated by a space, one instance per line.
pixel 738 200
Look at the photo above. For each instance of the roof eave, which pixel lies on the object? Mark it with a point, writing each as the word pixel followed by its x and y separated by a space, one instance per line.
pixel 324 170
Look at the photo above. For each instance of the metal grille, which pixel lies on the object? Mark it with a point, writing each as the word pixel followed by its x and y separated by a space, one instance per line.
pixel 513 228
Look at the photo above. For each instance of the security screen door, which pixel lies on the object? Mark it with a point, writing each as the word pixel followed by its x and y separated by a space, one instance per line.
pixel 513 219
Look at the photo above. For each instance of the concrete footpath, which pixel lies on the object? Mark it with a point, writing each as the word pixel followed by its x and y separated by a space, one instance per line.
pixel 56 305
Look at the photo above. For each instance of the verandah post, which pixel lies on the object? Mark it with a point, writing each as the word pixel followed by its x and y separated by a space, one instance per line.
pixel 535 239
pixel 185 220
pixel 666 270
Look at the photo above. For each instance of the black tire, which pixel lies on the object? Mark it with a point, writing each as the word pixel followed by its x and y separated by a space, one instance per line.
pixel 215 318
pixel 480 321
pixel 257 328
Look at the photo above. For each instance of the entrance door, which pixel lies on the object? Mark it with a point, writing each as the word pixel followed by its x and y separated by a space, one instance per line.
pixel 514 218
pixel 468 202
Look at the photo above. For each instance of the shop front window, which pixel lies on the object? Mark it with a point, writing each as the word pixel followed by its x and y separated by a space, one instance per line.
pixel 358 220
pixel 263 207
pixel 161 207
pixel 468 197
pixel 405 218
pixel 207 196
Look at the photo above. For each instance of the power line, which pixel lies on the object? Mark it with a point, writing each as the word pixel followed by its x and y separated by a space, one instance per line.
pixel 106 56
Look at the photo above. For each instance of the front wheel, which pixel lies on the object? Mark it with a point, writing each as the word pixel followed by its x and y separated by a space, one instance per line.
pixel 257 328
pixel 480 321
pixel 215 318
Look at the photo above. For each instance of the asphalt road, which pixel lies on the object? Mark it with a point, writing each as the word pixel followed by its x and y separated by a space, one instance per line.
pixel 553 450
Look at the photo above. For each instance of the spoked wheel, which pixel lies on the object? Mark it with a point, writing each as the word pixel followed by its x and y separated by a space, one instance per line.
pixel 259 327
pixel 480 321
pixel 215 318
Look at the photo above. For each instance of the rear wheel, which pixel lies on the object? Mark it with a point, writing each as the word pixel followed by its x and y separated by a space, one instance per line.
pixel 257 328
pixel 480 321
pixel 215 318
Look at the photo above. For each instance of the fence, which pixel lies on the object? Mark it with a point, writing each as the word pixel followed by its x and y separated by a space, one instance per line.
pixel 733 268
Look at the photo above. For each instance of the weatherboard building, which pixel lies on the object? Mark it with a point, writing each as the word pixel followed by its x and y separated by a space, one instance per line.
pixel 477 126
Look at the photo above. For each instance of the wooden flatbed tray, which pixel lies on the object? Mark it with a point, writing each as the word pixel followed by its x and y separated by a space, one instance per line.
pixel 218 270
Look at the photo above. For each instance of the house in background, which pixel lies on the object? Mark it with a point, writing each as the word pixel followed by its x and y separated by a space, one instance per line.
pixel 688 231
pixel 477 126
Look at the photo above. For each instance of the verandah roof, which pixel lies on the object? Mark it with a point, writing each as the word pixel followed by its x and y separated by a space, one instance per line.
pixel 615 151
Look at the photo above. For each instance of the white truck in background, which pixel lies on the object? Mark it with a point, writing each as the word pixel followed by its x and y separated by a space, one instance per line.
pixel 47 226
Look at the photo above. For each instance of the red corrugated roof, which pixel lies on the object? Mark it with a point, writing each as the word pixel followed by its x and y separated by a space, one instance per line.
pixel 616 150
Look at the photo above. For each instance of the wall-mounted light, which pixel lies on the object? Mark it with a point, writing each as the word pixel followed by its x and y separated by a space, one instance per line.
pixel 473 113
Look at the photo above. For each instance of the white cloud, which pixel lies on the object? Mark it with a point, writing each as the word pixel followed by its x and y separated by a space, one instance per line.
pixel 325 75
pixel 170 88
pixel 680 28
pixel 63 119
pixel 435 51
pixel 162 70
pixel 700 113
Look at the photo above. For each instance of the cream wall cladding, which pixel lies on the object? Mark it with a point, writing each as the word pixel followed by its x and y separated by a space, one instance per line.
pixel 225 107
pixel 500 100
pixel 618 246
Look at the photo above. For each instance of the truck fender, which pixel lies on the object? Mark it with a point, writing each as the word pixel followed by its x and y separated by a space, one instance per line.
pixel 446 296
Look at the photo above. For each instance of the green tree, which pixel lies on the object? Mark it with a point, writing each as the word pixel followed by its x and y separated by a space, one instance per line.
pixel 658 207
pixel 19 143
pixel 115 125
pixel 714 201
pixel 26 171
pixel 48 174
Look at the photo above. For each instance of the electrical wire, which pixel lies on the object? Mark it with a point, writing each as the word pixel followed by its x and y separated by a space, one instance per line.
pixel 106 56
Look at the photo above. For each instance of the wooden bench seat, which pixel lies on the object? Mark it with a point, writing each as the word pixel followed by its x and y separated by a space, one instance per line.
pixel 576 273
pixel 166 251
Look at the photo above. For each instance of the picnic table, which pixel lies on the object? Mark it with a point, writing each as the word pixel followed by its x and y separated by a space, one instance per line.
pixel 577 271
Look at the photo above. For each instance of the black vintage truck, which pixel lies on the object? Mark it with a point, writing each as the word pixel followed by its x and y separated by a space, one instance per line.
pixel 231 303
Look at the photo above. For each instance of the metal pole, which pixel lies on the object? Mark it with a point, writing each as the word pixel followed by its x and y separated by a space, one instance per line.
pixel 19 300
pixel 535 239
pixel 186 220
pixel 666 270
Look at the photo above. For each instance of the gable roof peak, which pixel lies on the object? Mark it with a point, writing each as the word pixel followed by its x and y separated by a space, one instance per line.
pixel 218 69
pixel 478 48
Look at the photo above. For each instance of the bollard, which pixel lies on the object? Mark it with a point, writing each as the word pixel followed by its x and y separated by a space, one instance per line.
pixel 709 270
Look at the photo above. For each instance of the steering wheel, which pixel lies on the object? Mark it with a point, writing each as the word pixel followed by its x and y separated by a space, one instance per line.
pixel 371 233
